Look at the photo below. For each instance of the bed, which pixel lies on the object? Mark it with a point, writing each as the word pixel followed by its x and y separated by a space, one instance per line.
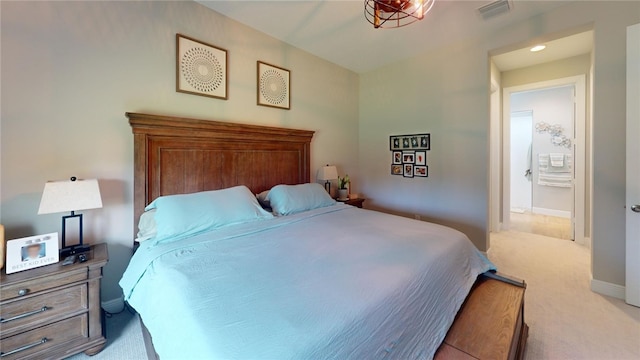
pixel 333 282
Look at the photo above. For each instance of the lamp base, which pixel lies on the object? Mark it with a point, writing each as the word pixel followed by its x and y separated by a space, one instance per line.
pixel 73 250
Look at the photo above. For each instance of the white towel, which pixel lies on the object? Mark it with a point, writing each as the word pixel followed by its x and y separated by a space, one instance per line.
pixel 557 160
pixel 552 175
pixel 555 180
pixel 543 161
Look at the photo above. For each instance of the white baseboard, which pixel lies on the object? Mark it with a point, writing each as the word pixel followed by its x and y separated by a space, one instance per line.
pixel 609 289
pixel 114 305
pixel 552 212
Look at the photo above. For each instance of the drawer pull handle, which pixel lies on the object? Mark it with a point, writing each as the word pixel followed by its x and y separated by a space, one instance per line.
pixel 34 312
pixel 23 348
pixel 23 292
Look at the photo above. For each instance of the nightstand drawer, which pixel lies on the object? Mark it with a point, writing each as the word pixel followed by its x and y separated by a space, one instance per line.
pixel 38 284
pixel 25 314
pixel 41 339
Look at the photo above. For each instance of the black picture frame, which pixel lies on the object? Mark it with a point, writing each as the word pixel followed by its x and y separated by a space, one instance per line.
pixel 407 170
pixel 421 158
pixel 408 157
pixel 395 143
pixel 396 157
pixel 410 142
pixel 421 171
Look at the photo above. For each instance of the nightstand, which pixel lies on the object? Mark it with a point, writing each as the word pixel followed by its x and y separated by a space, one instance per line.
pixel 354 202
pixel 53 311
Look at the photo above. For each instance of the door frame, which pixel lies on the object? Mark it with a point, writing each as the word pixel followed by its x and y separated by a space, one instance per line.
pixel 579 161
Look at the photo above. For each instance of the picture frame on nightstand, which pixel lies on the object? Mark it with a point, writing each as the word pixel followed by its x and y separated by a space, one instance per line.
pixel 32 252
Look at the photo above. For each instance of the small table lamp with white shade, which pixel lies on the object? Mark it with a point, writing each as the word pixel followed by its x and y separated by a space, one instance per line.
pixel 70 195
pixel 327 173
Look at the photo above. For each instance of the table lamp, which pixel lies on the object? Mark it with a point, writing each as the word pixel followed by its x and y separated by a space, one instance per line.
pixel 73 195
pixel 327 173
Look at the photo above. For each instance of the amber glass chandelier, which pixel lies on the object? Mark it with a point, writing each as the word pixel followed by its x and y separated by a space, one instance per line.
pixel 395 13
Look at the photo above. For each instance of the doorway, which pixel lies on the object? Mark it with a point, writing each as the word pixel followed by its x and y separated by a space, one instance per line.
pixel 549 117
pixel 542 124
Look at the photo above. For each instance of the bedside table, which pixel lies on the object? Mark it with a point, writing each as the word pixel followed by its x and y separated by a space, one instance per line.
pixel 354 202
pixel 53 311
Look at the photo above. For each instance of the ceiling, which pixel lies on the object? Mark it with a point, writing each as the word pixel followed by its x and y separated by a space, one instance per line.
pixel 338 32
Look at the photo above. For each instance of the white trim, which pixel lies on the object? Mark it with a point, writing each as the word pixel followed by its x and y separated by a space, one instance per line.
pixel 551 212
pixel 579 83
pixel 114 305
pixel 608 289
pixel 587 242
pixel 495 145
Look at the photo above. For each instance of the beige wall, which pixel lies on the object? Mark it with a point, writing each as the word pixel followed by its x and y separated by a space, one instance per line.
pixel 70 70
pixel 445 92
pixel 573 66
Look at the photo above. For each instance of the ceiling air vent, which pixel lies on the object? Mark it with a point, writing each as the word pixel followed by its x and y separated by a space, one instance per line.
pixel 495 8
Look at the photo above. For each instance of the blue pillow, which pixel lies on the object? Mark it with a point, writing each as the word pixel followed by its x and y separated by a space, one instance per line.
pixel 178 216
pixel 291 199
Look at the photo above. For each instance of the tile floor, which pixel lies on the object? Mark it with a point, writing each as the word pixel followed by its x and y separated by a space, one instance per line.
pixel 551 226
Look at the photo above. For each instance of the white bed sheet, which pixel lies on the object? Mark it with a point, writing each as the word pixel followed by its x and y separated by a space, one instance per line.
pixel 332 283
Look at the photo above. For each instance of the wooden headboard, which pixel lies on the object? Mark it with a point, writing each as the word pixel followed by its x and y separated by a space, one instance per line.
pixel 175 155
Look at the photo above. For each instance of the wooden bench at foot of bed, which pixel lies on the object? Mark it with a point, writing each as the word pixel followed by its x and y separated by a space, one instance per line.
pixel 490 323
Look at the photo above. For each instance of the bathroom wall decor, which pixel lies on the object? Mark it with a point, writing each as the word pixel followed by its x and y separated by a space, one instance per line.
pixel 555 131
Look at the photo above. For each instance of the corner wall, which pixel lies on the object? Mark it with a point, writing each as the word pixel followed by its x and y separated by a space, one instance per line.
pixel 445 92
pixel 70 70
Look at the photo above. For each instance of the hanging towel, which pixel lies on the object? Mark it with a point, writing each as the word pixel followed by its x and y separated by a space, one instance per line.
pixel 557 160
pixel 558 176
pixel 566 168
pixel 543 162
pixel 555 179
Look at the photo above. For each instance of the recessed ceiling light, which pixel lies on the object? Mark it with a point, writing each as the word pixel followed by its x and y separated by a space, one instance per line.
pixel 538 48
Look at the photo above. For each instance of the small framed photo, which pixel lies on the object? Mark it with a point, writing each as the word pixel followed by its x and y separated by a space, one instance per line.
pixel 274 86
pixel 394 143
pixel 408 157
pixel 396 169
pixel 32 252
pixel 425 141
pixel 397 157
pixel 421 158
pixel 201 68
pixel 408 170
pixel 421 171
pixel 406 142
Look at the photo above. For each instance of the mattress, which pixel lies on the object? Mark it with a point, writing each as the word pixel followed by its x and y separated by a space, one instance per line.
pixel 331 283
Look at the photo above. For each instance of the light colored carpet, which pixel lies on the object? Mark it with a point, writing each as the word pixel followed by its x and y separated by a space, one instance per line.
pixel 566 319
pixel 124 340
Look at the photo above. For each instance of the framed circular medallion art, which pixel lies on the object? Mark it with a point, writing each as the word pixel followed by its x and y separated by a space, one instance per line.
pixel 201 68
pixel 274 86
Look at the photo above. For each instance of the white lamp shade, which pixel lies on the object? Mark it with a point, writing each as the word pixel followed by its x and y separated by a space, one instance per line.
pixel 327 173
pixel 64 196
